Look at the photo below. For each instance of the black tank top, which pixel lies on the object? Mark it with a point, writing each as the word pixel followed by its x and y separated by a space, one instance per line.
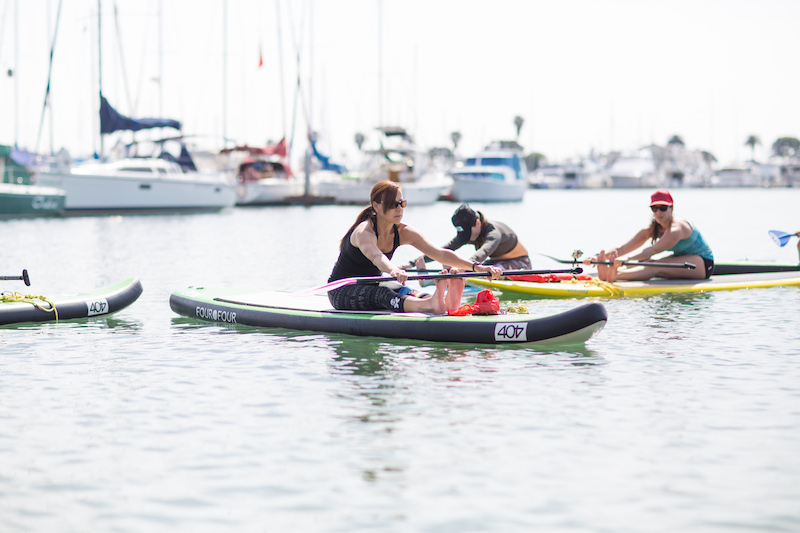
pixel 353 263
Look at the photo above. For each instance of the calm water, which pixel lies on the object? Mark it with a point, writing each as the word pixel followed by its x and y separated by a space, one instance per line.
pixel 682 415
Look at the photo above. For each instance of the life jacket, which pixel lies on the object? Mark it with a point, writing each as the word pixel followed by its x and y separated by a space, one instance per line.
pixel 486 303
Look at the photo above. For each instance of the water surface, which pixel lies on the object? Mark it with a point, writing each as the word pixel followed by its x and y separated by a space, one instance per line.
pixel 683 414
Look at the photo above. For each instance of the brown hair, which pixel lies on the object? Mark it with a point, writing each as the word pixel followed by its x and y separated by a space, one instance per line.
pixel 383 192
pixel 655 229
pixel 482 236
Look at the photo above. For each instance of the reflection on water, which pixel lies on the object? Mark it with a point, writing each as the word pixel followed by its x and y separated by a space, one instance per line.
pixel 109 324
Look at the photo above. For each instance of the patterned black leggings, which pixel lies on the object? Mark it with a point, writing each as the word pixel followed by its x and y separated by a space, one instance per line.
pixel 366 298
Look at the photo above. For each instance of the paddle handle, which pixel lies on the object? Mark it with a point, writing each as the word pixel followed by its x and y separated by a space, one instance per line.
pixel 24 277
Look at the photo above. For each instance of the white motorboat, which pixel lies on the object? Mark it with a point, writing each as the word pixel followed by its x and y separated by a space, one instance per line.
pixel 262 175
pixel 269 190
pixel 748 174
pixel 392 157
pixel 139 184
pixel 586 173
pixel 356 190
pixel 635 170
pixel 497 174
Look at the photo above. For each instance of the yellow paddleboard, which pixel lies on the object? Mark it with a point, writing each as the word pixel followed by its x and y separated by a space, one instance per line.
pixel 578 289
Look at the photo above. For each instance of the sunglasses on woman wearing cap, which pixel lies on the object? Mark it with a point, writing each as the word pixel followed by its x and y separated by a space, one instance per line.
pixel 396 204
pixel 661 207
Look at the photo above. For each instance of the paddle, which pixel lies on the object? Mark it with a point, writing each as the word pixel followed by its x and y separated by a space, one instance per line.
pixel 781 238
pixel 380 279
pixel 24 277
pixel 648 263
pixel 628 263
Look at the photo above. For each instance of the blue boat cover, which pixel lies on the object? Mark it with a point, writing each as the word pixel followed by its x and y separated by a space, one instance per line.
pixel 326 160
pixel 111 120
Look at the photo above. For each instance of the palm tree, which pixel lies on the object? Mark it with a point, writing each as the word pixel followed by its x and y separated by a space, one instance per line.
pixel 518 121
pixel 359 140
pixel 787 147
pixel 456 138
pixel 675 140
pixel 752 141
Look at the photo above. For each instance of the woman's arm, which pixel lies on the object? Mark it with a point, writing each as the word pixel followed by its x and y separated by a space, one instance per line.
pixel 409 235
pixel 636 242
pixel 679 229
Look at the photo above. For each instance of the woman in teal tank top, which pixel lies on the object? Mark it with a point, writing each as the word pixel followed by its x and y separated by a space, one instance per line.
pixel 667 233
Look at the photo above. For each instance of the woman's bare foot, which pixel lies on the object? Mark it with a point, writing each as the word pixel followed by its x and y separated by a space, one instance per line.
pixel 611 274
pixel 438 305
pixel 455 288
pixel 602 270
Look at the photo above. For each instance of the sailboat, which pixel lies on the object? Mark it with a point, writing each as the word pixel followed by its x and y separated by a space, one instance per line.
pixel 166 180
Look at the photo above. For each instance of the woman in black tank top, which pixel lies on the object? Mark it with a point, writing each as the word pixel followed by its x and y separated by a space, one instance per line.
pixel 367 249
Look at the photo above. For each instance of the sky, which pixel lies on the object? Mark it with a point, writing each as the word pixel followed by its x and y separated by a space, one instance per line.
pixel 585 75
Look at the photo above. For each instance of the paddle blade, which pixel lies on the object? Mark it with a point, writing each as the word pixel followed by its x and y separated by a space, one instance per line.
pixel 779 237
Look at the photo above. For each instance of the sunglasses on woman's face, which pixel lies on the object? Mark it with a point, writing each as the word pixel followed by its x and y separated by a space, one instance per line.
pixel 655 208
pixel 396 204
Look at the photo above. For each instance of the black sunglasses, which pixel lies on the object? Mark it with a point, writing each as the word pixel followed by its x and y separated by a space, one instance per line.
pixel 396 204
pixel 655 208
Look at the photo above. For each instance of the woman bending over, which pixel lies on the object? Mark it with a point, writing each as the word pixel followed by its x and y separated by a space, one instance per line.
pixel 367 249
pixel 666 232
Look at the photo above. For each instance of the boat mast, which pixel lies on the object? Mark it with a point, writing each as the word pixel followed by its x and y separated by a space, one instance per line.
pixel 160 60
pixel 280 66
pixel 224 72
pixel 47 102
pixel 16 72
pixel 307 162
pixel 100 65
pixel 380 63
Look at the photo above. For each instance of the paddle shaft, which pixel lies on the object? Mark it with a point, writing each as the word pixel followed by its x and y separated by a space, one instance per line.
pixel 648 263
pixel 470 274
pixel 24 277
pixel 380 279
pixel 629 263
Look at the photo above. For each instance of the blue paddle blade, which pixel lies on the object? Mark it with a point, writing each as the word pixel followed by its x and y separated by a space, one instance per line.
pixel 779 237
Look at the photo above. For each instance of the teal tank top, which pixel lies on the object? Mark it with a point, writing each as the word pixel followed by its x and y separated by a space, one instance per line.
pixel 693 245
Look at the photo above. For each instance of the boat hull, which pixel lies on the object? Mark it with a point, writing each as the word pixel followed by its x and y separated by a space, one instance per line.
pixel 357 192
pixel 102 301
pixel 269 191
pixel 314 313
pixel 102 192
pixel 23 201
pixel 583 289
pixel 487 190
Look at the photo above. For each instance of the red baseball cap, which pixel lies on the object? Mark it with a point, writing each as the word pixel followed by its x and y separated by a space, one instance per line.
pixel 661 198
